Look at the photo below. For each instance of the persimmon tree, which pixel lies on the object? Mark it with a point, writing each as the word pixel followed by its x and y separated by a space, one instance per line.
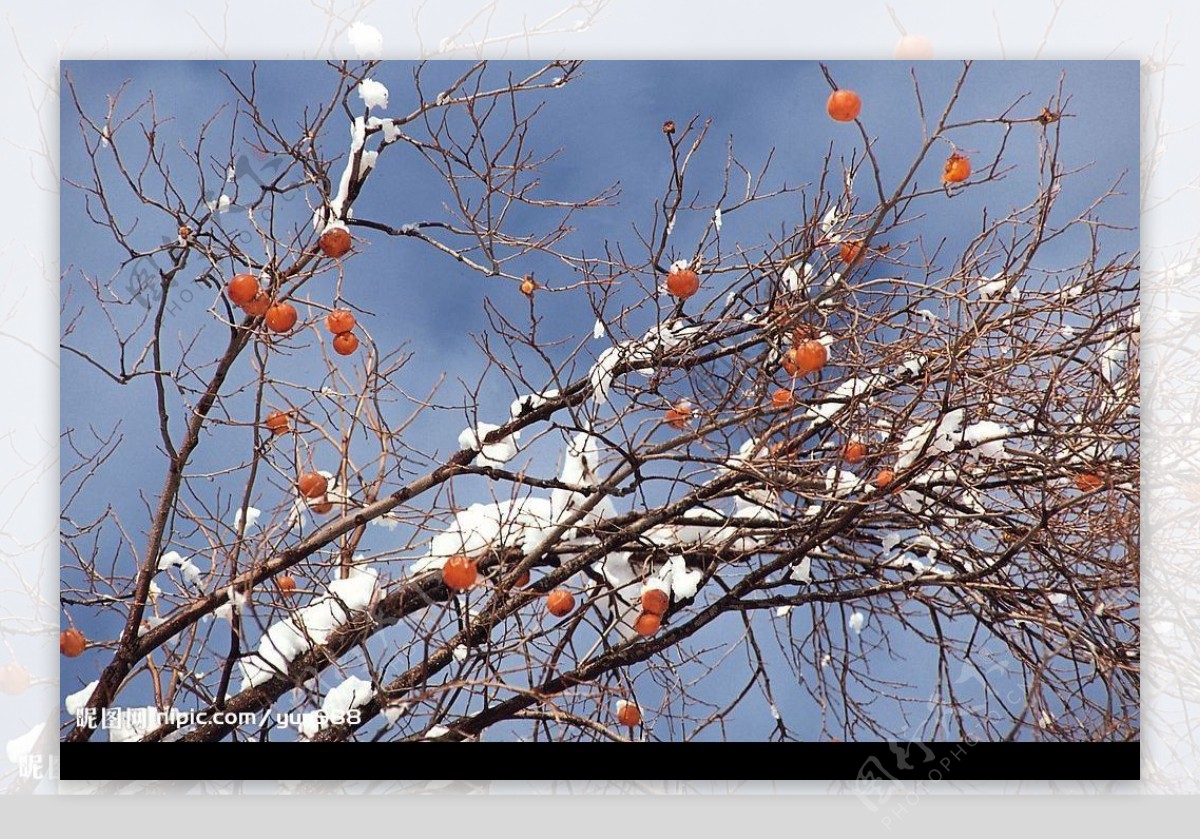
pixel 847 479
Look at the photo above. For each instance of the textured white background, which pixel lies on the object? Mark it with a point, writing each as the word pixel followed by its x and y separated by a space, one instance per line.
pixel 1164 36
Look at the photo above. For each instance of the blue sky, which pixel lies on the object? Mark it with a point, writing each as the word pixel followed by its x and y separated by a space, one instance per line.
pixel 607 125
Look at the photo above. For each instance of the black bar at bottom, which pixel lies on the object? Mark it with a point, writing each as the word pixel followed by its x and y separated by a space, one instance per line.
pixel 866 765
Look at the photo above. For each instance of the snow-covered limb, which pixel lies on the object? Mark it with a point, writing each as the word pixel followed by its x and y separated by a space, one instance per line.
pixel 797 281
pixel 638 353
pixel 252 515
pixel 392 712
pixel 833 220
pixel 991 287
pixel 130 724
pixel 189 570
pixel 857 620
pixel 701 525
pixel 621 602
pixel 391 131
pixel 531 402
pixel 947 434
pixel 220 205
pixel 516 523
pixel 684 582
pixel 841 482
pixel 524 522
pixel 1111 357
pixel 236 602
pixel 988 437
pixel 802 571
pixel 494 454
pixel 344 698
pixel 373 94
pixel 842 397
pixel 311 625
pixel 336 217
pixel 581 464
pixel 938 436
pixel 76 701
pixel 152 621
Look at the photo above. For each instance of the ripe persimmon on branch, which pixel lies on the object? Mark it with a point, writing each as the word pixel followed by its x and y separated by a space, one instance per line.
pixel 833 472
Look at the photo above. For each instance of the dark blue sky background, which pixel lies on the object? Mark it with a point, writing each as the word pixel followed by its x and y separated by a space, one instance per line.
pixel 607 126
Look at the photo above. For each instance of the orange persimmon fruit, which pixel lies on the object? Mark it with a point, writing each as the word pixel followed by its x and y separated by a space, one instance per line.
pixel 276 423
pixel 335 242
pixel 628 714
pixel 345 343
pixel 340 321
pixel 242 289
pixel 312 485
pixel 850 250
pixel 957 169
pixel 647 624
pixel 805 358
pixel 71 642
pixel 281 317
pixel 854 451
pixel 559 602
pixel 258 305
pixel 654 601
pixel 683 283
pixel 322 505
pixel 460 572
pixel 783 398
pixel 678 415
pixel 843 105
